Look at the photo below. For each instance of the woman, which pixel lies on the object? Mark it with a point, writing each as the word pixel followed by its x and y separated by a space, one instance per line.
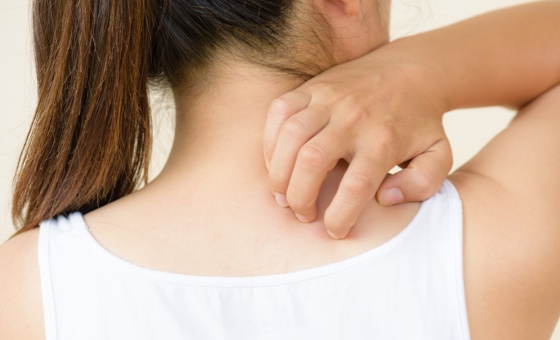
pixel 204 252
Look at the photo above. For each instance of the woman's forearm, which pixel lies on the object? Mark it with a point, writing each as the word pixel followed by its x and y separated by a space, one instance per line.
pixel 507 57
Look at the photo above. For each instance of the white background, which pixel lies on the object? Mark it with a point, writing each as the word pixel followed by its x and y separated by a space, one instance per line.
pixel 468 130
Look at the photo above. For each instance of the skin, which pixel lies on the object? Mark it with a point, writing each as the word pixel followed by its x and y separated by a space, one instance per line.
pixel 512 231
pixel 370 109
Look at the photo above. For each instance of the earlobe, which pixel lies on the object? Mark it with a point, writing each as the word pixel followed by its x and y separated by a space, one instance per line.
pixel 339 8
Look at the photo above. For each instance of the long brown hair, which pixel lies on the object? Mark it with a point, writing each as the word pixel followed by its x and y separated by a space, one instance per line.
pixel 90 139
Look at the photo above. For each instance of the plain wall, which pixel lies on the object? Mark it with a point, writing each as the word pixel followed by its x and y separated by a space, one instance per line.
pixel 468 130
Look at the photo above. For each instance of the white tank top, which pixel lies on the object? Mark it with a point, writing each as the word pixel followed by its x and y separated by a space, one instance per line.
pixel 410 287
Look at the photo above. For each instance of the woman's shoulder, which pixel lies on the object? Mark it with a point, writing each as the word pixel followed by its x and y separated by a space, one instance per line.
pixel 21 313
pixel 511 266
pixel 510 191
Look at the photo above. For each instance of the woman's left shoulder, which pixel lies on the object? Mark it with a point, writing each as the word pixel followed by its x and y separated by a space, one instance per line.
pixel 21 312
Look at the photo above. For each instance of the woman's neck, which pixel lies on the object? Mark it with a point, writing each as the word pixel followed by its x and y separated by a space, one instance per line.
pixel 211 212
pixel 219 133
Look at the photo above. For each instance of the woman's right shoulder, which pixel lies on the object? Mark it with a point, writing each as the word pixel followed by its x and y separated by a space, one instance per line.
pixel 21 306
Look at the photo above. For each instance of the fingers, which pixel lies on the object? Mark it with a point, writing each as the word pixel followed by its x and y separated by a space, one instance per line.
pixel 421 179
pixel 293 134
pixel 356 190
pixel 314 161
pixel 280 110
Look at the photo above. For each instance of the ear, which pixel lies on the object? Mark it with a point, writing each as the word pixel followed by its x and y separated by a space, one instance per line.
pixel 339 9
pixel 352 26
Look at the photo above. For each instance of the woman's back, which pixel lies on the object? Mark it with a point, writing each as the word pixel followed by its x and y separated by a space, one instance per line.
pixel 94 294
pixel 510 254
pixel 510 247
pixel 210 213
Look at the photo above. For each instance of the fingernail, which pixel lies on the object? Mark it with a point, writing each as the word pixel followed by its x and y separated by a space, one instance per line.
pixel 281 200
pixel 302 218
pixel 332 235
pixel 391 196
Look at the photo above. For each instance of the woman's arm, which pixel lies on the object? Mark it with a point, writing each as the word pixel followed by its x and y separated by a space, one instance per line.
pixel 21 307
pixel 507 57
pixel 386 107
pixel 510 189
pixel 511 204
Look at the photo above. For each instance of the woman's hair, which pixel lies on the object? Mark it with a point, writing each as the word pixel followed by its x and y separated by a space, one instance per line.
pixel 90 139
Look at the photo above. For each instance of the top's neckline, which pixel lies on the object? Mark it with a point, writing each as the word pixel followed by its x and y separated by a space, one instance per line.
pixel 77 219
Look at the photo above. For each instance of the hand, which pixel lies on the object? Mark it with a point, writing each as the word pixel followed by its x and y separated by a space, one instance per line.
pixel 374 120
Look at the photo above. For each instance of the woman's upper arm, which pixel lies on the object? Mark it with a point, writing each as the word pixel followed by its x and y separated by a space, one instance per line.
pixel 511 198
pixel 21 309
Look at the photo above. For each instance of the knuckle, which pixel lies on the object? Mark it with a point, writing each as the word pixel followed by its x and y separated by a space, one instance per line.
pixel 357 117
pixel 329 90
pixel 425 184
pixel 294 127
pixel 313 156
pixel 386 142
pixel 389 129
pixel 359 184
pixel 280 106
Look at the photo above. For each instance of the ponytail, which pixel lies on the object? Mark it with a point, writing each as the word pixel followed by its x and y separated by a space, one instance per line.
pixel 90 139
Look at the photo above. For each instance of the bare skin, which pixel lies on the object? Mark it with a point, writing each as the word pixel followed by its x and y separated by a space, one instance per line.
pixel 507 58
pixel 190 218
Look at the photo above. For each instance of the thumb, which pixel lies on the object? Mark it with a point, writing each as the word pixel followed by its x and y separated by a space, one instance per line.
pixel 421 179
